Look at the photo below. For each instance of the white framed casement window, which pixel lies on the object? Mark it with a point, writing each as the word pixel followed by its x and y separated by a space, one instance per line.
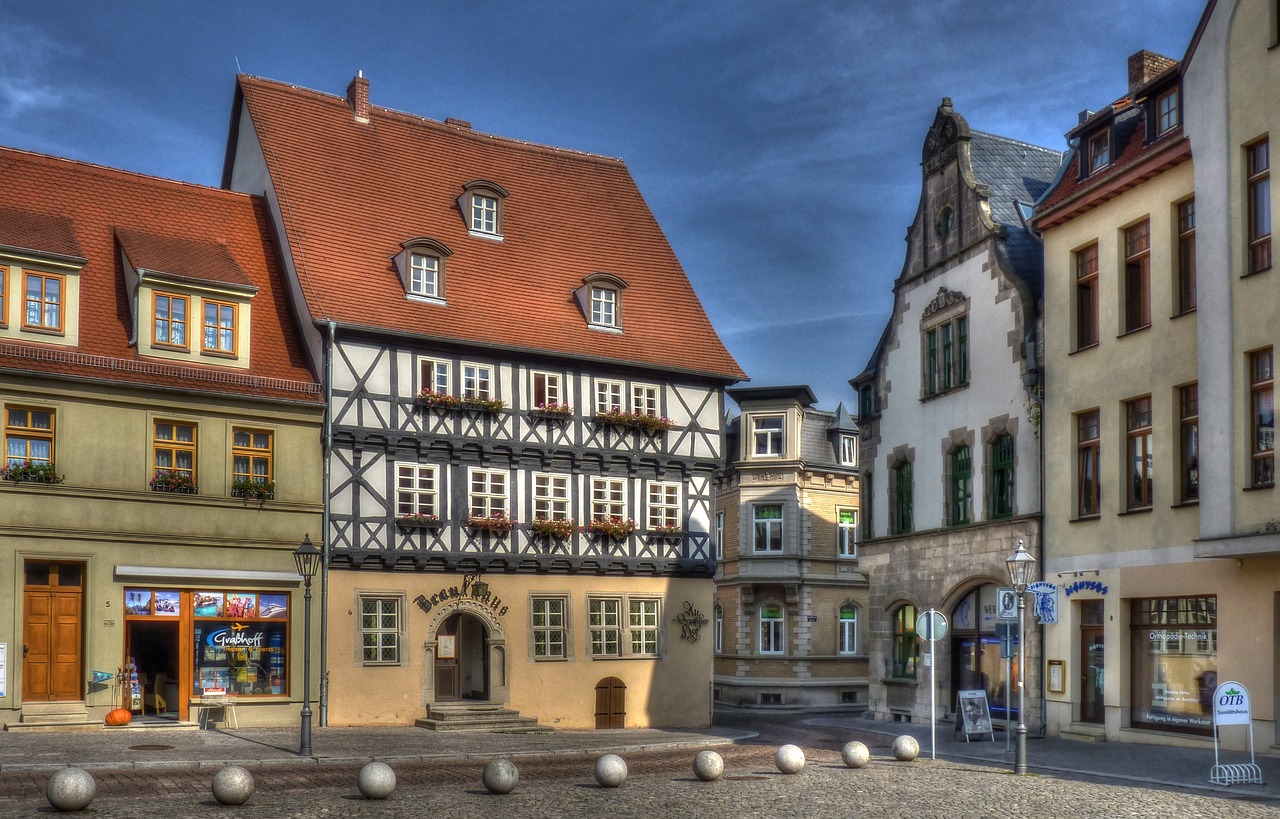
pixel 424 275
pixel 846 532
pixel 605 626
pixel 772 625
pixel 433 375
pixel 720 535
pixel 381 628
pixel 766 435
pixel 644 399
pixel 604 306
pixel 548 621
pixel 545 389
pixel 550 496
pixel 608 498
pixel 848 631
pixel 766 524
pixel 484 214
pixel 488 493
pixel 477 381
pixel 717 618
pixel 849 450
pixel 608 396
pixel 417 490
pixel 643 626
pixel 664 505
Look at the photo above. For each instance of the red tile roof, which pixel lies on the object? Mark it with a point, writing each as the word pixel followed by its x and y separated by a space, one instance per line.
pixel 350 193
pixel 75 209
pixel 185 258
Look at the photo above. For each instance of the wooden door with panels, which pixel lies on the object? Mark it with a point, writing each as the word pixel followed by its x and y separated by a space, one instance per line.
pixel 52 631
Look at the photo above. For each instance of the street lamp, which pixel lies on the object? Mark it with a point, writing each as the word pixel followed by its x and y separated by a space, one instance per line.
pixel 1020 565
pixel 307 558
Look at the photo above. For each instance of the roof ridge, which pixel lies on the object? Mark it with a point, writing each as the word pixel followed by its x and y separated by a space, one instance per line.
pixel 95 167
pixel 1013 141
pixel 444 126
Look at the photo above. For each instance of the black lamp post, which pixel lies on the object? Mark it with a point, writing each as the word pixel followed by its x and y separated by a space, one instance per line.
pixel 307 557
pixel 1020 565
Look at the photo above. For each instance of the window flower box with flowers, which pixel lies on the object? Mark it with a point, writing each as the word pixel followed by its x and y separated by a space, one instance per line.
pixel 499 525
pixel 249 489
pixel 417 520
pixel 635 420
pixel 452 403
pixel 551 411
pixel 169 480
pixel 614 528
pixel 30 472
pixel 553 528
pixel 666 532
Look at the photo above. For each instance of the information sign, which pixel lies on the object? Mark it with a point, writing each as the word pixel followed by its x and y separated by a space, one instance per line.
pixel 1006 604
pixel 931 625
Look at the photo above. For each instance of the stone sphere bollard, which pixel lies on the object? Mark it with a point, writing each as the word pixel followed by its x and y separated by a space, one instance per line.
pixel 611 771
pixel 855 754
pixel 71 789
pixel 789 759
pixel 376 780
pixel 708 766
pixel 905 748
pixel 232 785
pixel 500 776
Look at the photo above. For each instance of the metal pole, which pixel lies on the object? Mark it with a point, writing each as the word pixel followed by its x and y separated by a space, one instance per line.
pixel 305 749
pixel 933 692
pixel 1020 749
pixel 1008 711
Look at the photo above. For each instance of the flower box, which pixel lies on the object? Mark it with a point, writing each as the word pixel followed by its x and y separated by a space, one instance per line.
pixel 453 403
pixel 551 412
pixel 30 472
pixel 416 521
pixel 262 491
pixel 499 525
pixel 615 528
pixel 666 532
pixel 168 480
pixel 556 528
pixel 635 420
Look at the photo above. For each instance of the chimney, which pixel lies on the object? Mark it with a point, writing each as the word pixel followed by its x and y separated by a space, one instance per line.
pixel 358 97
pixel 1145 66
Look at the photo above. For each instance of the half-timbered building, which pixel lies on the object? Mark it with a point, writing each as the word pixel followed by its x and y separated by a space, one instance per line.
pixel 526 404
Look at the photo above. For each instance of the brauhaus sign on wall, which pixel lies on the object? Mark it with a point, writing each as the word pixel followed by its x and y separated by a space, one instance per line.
pixel 1231 704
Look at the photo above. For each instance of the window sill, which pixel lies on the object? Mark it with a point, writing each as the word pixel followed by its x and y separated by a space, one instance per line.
pixel 1137 510
pixel 1188 312
pixel 1186 503
pixel 1126 333
pixel 604 328
pixel 903 681
pixel 930 396
pixel 219 354
pixel 1259 487
pixel 1248 275
pixel 1090 346
pixel 1085 518
pixel 421 299
pixel 43 331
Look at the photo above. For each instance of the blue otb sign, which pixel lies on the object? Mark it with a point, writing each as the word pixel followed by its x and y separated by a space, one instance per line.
pixel 1231 704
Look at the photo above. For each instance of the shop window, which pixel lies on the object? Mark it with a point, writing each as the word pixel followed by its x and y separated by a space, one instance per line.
pixel 1174 644
pixel 381 629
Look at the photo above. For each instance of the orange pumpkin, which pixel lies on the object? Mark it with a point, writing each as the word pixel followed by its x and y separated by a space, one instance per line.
pixel 120 716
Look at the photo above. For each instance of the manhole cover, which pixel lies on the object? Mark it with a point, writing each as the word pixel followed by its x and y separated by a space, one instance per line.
pixel 745 778
pixel 150 747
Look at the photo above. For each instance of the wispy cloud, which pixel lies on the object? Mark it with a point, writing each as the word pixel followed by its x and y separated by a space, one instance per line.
pixel 27 81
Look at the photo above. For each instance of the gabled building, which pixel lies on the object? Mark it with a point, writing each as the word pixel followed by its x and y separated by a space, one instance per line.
pixel 949 428
pixel 526 404
pixel 1135 645
pixel 161 459
pixel 791 603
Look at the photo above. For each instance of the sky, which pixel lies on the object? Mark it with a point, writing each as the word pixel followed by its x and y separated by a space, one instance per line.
pixel 777 143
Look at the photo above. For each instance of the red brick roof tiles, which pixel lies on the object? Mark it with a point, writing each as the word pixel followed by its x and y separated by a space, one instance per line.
pixel 76 209
pixel 350 193
pixel 201 261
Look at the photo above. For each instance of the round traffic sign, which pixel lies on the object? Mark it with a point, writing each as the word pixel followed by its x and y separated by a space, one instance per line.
pixel 931 625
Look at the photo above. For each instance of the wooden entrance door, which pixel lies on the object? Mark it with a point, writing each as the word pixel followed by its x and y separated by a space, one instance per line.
pixel 52 631
pixel 447 653
pixel 1092 668
pixel 611 703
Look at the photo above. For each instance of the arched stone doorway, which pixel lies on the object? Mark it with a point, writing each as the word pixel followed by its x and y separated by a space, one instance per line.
pixel 465 656
pixel 976 663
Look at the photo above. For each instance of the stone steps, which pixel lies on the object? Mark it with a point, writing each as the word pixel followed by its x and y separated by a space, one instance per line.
pixel 479 717
pixel 55 716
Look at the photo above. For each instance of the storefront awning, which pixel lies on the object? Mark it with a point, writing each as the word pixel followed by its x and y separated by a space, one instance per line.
pixel 203 577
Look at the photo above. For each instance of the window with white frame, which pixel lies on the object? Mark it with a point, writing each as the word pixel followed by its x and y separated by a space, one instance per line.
pixel 550 496
pixel 381 629
pixel 771 629
pixel 608 396
pixel 488 496
pixel 608 498
pixel 848 633
pixel 849 450
pixel 605 625
pixel 846 531
pixel 717 617
pixel 766 431
pixel 484 213
pixel 477 381
pixel 767 526
pixel 720 535
pixel 644 399
pixel 604 306
pixel 545 389
pixel 417 492
pixel 664 505
pixel 644 627
pixel 550 628
pixel 433 375
pixel 424 275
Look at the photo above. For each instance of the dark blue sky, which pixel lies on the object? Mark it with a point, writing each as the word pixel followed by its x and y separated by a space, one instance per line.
pixel 778 143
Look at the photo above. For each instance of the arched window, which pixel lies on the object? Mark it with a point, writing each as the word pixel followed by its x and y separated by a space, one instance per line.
pixel 718 632
pixel 848 637
pixel 906 651
pixel 771 628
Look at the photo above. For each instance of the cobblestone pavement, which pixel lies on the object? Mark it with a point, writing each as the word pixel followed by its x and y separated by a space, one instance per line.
pixel 560 783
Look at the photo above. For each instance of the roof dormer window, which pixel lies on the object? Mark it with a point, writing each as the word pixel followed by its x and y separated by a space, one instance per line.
pixel 421 265
pixel 600 298
pixel 1100 150
pixel 1167 111
pixel 481 205
pixel 604 306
